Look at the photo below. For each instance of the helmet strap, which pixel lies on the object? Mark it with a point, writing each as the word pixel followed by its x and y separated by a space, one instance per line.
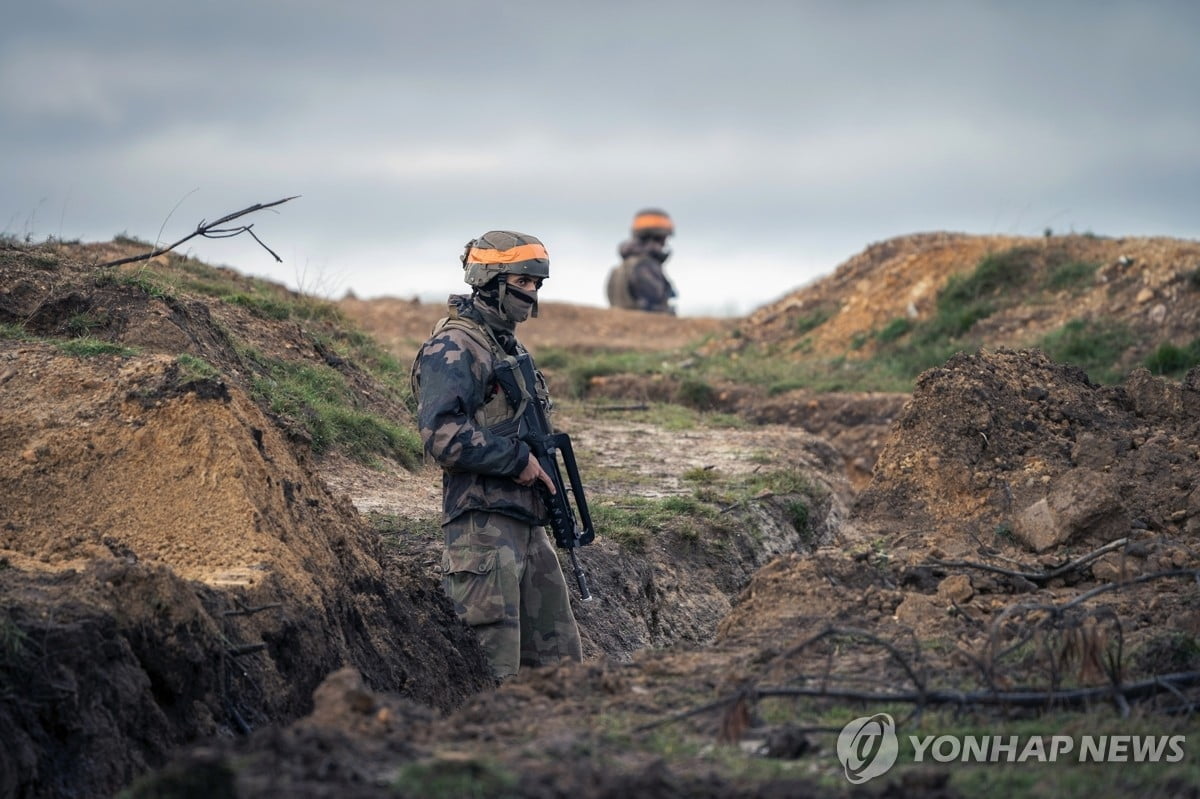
pixel 502 290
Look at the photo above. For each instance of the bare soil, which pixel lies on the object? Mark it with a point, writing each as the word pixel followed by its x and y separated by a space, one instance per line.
pixel 192 601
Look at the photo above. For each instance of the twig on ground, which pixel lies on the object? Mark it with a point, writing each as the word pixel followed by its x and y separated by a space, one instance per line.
pixel 851 632
pixel 1036 577
pixel 1080 697
pixel 1029 698
pixel 1144 578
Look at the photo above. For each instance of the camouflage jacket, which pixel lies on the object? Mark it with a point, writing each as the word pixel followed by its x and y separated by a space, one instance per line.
pixel 458 405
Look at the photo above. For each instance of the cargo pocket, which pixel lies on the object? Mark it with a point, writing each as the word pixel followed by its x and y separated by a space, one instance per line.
pixel 473 584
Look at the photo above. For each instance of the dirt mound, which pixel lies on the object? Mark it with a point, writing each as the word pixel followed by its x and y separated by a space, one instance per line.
pixel 944 559
pixel 172 566
pixel 403 325
pixel 988 436
pixel 1146 284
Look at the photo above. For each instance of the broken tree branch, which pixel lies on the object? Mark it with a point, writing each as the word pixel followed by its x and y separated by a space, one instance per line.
pixel 1080 697
pixel 212 230
pixel 1036 577
pixel 1144 578
pixel 1162 683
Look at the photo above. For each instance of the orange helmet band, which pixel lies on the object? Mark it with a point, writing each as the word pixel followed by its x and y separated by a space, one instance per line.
pixel 522 252
pixel 652 221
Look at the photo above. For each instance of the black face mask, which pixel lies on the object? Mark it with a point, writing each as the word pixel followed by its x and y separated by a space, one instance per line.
pixel 517 305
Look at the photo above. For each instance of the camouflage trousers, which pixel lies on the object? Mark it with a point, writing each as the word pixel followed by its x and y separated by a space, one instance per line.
pixel 505 581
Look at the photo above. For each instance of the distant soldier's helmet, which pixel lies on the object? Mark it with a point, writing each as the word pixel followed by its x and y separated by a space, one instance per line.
pixel 652 222
pixel 503 252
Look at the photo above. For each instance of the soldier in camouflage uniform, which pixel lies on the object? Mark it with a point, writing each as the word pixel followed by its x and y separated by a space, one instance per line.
pixel 639 282
pixel 501 569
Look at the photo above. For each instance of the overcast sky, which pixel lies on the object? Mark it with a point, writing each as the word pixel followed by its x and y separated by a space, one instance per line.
pixel 782 137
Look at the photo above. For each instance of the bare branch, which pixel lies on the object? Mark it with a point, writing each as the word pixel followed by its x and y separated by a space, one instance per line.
pixel 212 230
pixel 1037 577
pixel 1145 578
pixel 850 632
pixel 1080 697
pixel 1162 683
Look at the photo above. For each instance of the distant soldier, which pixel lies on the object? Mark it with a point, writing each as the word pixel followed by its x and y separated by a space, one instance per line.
pixel 501 569
pixel 639 281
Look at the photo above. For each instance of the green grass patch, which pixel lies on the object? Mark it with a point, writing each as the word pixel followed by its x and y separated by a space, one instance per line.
pixel 995 274
pixel 147 281
pixel 1096 346
pixel 82 324
pixel 967 298
pixel 893 330
pixel 701 475
pixel 282 306
pixel 812 319
pixel 1070 275
pixel 907 348
pixel 127 240
pixel 474 778
pixel 1173 361
pixel 193 369
pixel 12 332
pixel 317 399
pixel 90 347
pixel 45 260
pixel 397 526
pixel 697 394
pixel 632 520
pixel 266 307
pixel 778 481
pixel 578 371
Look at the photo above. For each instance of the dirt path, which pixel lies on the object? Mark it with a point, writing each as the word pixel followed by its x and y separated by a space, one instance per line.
pixel 619 455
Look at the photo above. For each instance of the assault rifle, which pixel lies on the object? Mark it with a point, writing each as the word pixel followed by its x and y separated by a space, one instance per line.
pixel 532 427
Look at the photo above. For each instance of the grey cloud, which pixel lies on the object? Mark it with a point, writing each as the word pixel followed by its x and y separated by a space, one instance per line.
pixel 831 124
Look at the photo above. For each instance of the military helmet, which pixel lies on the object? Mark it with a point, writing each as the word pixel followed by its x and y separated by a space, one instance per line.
pixel 503 252
pixel 652 222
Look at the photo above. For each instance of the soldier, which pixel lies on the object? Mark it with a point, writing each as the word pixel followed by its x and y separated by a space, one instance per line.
pixel 639 282
pixel 501 569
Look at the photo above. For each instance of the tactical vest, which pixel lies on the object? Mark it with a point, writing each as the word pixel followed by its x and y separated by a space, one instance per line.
pixel 495 410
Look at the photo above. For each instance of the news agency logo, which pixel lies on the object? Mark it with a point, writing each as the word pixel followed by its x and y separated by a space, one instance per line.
pixel 868 747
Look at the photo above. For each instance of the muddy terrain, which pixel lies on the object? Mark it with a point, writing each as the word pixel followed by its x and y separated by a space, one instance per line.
pixel 207 588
